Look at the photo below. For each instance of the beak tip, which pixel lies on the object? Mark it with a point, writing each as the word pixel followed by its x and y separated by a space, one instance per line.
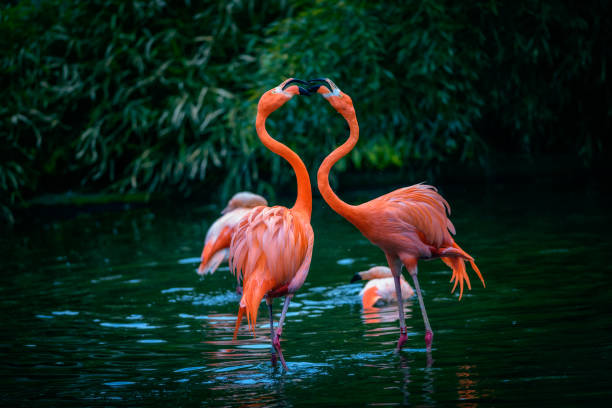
pixel 304 91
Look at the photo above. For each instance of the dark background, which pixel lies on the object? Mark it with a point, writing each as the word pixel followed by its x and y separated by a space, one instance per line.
pixel 110 96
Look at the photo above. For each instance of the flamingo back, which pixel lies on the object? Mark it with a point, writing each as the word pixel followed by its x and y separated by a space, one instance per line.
pixel 230 219
pixel 410 219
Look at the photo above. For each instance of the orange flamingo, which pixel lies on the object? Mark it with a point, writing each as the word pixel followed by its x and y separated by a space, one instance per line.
pixel 408 224
pixel 271 248
pixel 380 287
pixel 219 235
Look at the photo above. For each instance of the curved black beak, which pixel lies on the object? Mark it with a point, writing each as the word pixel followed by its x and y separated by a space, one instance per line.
pixel 294 81
pixel 325 81
pixel 356 277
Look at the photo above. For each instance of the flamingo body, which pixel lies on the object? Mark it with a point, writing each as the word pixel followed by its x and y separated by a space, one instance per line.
pixel 272 250
pixel 411 223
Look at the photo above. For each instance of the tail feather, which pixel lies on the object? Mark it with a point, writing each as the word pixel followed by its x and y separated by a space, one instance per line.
pixel 457 264
pixel 475 268
pixel 252 294
pixel 241 311
pixel 459 274
pixel 454 252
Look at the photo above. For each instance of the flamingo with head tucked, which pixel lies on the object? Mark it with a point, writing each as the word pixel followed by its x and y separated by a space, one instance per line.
pixel 271 248
pixel 408 224
pixel 381 287
pixel 219 235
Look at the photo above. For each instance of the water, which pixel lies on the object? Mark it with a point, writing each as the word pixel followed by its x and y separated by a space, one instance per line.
pixel 105 309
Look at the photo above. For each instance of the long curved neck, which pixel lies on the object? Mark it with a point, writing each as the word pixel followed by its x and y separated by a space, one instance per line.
pixel 303 203
pixel 339 206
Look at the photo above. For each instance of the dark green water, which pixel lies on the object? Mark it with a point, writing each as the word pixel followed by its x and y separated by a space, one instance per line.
pixel 106 309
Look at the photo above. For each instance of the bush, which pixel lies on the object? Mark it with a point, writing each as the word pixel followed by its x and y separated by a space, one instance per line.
pixel 161 95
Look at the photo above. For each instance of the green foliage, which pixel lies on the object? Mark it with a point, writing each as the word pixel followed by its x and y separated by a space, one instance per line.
pixel 161 95
pixel 135 95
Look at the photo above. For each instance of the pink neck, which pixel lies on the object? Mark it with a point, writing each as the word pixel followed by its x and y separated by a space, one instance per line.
pixel 339 206
pixel 303 203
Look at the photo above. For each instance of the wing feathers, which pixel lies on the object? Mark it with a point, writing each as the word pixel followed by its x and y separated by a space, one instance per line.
pixel 422 207
pixel 269 250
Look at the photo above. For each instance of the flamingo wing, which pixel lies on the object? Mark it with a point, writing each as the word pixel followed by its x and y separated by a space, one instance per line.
pixel 369 296
pixel 210 263
pixel 231 219
pixel 217 241
pixel 419 208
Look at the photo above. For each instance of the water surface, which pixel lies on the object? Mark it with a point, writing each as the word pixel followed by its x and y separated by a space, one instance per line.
pixel 105 309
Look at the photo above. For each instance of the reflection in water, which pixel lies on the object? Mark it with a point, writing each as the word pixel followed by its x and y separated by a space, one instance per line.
pixel 389 314
pixel 466 387
pixel 247 349
pixel 240 367
pixel 384 314
pixel 374 315
pixel 427 390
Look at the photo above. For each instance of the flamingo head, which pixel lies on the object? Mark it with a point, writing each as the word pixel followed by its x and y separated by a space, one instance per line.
pixel 244 199
pixel 375 272
pixel 277 96
pixel 340 101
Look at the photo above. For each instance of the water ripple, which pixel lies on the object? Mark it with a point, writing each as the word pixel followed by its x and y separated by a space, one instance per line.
pixel 141 326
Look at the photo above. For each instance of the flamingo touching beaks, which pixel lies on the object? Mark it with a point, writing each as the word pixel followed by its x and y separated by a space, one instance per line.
pixel 271 248
pixel 219 235
pixel 408 224
pixel 381 287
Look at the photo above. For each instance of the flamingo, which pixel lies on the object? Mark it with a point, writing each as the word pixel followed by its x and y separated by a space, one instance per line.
pixel 380 286
pixel 408 224
pixel 219 235
pixel 271 248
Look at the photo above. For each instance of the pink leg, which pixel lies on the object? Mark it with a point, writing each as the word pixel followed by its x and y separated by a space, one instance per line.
pixel 269 303
pixel 396 269
pixel 417 288
pixel 279 331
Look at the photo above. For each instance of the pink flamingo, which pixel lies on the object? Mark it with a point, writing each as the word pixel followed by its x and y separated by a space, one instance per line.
pixel 408 224
pixel 271 248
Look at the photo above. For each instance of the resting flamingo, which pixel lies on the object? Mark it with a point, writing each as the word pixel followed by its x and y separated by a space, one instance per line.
pixel 381 287
pixel 408 224
pixel 219 235
pixel 271 248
